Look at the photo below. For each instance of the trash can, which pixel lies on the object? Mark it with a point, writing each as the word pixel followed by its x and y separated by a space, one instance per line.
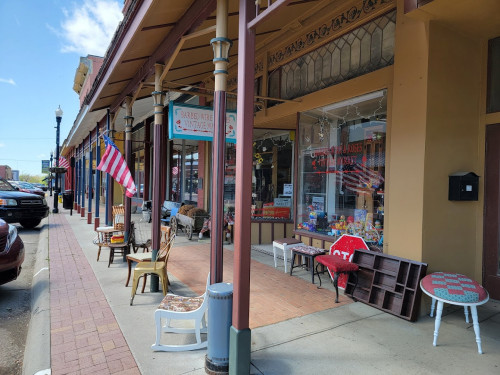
pixel 67 199
pixel 220 306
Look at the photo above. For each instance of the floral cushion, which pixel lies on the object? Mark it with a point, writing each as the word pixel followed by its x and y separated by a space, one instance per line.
pixel 309 250
pixel 454 287
pixel 177 303
pixel 337 264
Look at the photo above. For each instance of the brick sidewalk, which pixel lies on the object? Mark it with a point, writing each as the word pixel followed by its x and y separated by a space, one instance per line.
pixel 85 337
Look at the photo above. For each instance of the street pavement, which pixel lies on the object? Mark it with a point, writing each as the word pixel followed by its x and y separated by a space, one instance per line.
pixel 296 328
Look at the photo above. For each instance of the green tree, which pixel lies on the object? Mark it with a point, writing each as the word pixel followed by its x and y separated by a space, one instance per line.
pixel 30 178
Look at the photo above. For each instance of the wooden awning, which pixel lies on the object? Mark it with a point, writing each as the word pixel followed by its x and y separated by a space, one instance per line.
pixel 176 34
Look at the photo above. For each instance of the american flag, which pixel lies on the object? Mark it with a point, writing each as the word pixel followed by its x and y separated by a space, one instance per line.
pixel 361 179
pixel 113 163
pixel 63 162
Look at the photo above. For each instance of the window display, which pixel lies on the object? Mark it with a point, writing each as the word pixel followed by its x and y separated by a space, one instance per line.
pixel 342 168
pixel 271 175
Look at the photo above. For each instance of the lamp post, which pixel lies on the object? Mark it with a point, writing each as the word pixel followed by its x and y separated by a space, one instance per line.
pixel 50 172
pixel 59 114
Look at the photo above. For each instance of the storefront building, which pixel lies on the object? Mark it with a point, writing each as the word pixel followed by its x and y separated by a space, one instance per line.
pixel 363 109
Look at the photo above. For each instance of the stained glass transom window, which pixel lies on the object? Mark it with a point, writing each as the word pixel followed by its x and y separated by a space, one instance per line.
pixel 363 50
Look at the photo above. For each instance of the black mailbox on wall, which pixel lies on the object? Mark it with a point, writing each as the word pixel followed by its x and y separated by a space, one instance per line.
pixel 463 186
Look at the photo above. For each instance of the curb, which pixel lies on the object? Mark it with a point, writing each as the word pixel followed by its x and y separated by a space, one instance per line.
pixel 37 350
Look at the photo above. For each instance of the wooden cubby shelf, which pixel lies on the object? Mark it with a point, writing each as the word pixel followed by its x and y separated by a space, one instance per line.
pixel 387 282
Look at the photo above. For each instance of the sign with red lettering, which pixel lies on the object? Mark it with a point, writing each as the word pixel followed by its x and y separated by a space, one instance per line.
pixel 196 122
pixel 344 248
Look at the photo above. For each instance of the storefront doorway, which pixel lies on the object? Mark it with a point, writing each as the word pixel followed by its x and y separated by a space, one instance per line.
pixel 491 256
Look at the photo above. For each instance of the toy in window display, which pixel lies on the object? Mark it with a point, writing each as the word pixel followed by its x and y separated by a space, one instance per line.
pixel 322 221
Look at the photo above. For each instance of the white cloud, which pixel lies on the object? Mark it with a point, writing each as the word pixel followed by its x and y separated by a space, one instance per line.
pixel 10 81
pixel 2 145
pixel 88 28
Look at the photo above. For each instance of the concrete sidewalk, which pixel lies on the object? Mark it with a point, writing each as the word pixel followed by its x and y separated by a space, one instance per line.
pixel 101 333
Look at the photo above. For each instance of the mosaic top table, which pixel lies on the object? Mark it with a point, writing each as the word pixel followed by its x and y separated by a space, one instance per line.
pixel 455 289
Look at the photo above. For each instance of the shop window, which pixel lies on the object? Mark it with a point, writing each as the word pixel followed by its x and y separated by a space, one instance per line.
pixel 184 172
pixel 191 177
pixel 493 97
pixel 230 177
pixel 342 168
pixel 363 50
pixel 271 175
pixel 139 173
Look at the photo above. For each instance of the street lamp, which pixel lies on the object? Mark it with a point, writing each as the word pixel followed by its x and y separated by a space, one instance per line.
pixel 59 114
pixel 50 172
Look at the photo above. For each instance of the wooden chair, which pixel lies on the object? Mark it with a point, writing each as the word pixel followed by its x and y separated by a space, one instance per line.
pixel 119 248
pixel 143 257
pixel 104 233
pixel 159 267
pixel 102 238
pixel 174 307
pixel 143 244
pixel 119 217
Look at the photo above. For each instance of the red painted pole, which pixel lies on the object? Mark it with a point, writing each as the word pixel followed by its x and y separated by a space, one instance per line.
pixel 243 192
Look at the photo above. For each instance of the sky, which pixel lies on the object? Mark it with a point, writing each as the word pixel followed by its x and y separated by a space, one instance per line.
pixel 41 42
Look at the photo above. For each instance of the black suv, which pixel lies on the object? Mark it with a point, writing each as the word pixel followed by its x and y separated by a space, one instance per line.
pixel 17 207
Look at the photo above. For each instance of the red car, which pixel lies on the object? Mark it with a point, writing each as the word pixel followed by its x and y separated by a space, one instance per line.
pixel 11 253
pixel 26 187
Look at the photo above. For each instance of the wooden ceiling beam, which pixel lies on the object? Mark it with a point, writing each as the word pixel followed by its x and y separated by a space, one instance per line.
pixel 187 24
pixel 173 56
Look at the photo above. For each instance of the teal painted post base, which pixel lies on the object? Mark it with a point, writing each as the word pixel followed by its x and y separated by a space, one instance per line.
pixel 239 351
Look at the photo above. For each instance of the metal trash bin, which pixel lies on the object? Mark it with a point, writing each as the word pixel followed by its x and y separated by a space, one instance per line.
pixel 220 306
pixel 67 199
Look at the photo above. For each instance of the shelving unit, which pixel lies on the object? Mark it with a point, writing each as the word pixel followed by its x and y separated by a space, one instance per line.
pixel 388 283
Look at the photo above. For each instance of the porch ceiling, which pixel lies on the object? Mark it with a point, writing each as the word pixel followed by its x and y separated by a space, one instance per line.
pixel 478 18
pixel 153 39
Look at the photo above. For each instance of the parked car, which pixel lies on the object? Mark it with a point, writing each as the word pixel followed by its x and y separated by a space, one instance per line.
pixel 41 186
pixel 11 252
pixel 19 207
pixel 26 187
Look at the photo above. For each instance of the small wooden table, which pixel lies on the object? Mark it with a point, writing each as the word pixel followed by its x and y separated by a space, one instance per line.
pixel 104 235
pixel 455 289
pixel 284 244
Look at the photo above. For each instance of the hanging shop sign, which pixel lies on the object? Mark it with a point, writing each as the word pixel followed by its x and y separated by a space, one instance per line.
pixel 45 166
pixel 195 122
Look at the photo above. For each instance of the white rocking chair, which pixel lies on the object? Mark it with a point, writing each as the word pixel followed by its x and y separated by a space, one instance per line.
pixel 182 308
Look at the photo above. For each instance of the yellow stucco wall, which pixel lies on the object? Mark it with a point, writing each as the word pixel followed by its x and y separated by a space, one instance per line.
pixel 405 163
pixel 435 128
pixel 118 193
pixel 450 227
